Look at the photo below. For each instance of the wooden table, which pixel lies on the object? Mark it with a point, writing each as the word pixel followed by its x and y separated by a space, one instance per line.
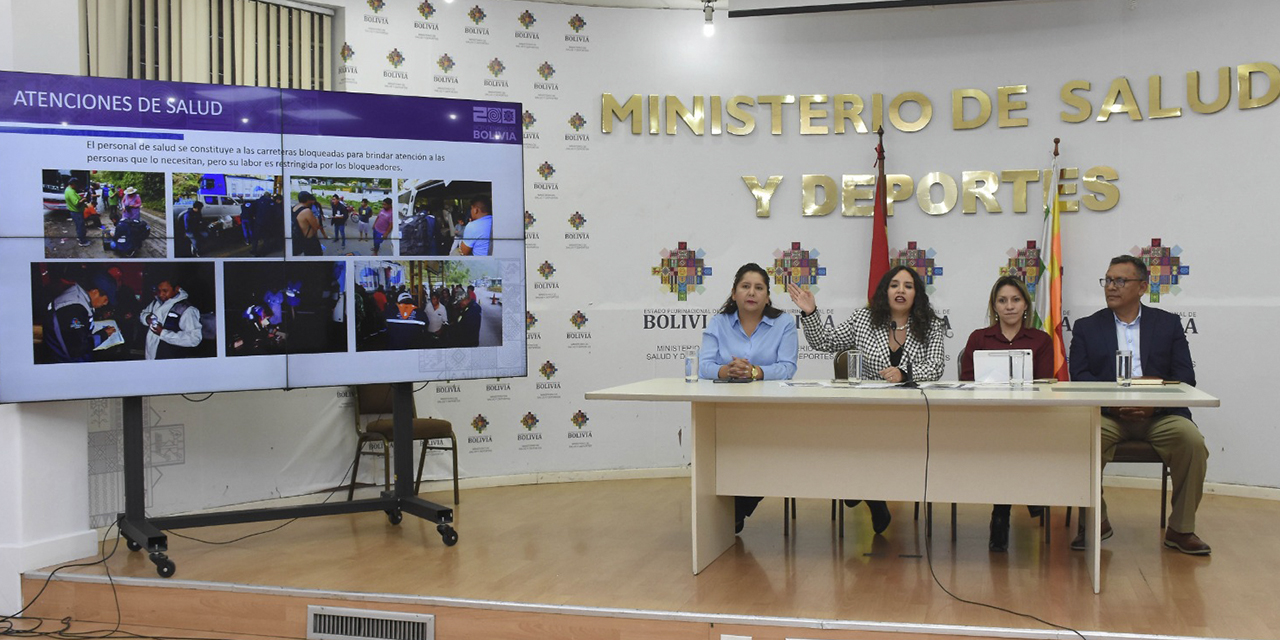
pixel 1038 444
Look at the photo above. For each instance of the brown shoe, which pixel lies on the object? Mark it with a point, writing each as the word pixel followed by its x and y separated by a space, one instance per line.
pixel 1078 542
pixel 1188 543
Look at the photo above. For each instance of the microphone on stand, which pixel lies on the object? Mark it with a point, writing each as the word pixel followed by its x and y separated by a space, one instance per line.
pixel 909 382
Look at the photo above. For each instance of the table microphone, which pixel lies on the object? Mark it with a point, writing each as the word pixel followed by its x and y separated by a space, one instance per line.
pixel 909 382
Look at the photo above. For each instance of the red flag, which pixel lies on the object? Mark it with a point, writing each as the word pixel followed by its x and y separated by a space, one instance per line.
pixel 880 226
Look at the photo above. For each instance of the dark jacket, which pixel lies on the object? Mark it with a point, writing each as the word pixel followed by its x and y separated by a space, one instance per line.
pixel 1163 349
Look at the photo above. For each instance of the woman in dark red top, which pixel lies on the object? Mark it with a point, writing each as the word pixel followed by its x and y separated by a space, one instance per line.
pixel 1009 312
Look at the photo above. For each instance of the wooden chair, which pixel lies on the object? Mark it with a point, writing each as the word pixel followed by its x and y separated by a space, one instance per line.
pixel 375 400
pixel 1142 451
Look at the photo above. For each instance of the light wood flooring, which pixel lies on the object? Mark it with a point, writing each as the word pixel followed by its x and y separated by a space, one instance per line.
pixel 625 544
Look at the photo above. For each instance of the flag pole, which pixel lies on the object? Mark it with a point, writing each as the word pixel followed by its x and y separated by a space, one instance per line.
pixel 879 261
pixel 1049 310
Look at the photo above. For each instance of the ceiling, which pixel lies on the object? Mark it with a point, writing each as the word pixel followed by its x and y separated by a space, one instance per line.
pixel 643 4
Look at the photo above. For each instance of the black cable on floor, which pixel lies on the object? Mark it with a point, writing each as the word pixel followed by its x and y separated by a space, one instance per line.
pixel 928 540
pixel 7 620
pixel 273 529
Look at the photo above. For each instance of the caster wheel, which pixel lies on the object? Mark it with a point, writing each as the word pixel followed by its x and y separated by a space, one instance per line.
pixel 133 546
pixel 447 534
pixel 164 566
pixel 394 516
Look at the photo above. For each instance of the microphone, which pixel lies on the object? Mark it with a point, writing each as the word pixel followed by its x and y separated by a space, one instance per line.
pixel 910 382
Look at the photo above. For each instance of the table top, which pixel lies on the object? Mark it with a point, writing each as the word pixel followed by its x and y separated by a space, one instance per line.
pixel 1064 394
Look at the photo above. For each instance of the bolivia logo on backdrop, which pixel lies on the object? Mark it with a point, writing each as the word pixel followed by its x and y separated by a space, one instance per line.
pixel 922 261
pixel 425 29
pixel 579 437
pixel 527 37
pixel 798 266
pixel 577 40
pixel 681 270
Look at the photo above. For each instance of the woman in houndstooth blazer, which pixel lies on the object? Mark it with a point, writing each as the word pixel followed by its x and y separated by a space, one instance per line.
pixel 898 333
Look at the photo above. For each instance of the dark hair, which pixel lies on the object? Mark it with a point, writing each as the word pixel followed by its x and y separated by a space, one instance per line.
pixel 198 204
pixel 1137 263
pixel 386 201
pixel 732 307
pixel 1009 281
pixel 484 203
pixel 922 315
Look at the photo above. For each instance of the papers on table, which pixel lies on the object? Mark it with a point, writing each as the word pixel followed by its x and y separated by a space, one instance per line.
pixel 881 384
pixel 116 337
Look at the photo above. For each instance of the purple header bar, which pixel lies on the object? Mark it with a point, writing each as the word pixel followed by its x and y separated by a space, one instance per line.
pixel 145 104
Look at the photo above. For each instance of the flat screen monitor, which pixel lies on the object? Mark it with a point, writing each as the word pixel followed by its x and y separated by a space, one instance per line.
pixel 195 238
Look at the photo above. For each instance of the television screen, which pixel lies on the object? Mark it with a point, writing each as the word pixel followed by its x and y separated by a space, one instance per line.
pixel 198 238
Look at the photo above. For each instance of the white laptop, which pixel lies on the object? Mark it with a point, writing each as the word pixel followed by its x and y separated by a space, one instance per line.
pixel 996 366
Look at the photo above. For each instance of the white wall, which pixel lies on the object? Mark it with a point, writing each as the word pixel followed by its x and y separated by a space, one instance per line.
pixel 45 501
pixel 43 460
pixel 1191 181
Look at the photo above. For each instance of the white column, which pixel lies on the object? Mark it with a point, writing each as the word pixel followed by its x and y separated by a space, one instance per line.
pixel 45 500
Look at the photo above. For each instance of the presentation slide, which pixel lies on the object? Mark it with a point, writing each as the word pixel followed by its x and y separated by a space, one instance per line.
pixel 195 238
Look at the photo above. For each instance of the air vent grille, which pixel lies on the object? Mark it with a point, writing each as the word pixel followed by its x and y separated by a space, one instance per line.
pixel 335 623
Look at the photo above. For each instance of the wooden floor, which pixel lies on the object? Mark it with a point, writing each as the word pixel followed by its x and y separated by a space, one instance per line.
pixel 625 545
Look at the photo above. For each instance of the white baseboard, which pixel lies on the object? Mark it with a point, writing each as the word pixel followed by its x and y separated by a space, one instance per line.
pixel 43 553
pixel 555 477
pixel 1210 488
pixel 549 477
pixel 18 559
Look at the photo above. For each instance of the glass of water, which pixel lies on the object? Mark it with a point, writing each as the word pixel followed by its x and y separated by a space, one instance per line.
pixel 1124 367
pixel 691 365
pixel 853 366
pixel 1016 362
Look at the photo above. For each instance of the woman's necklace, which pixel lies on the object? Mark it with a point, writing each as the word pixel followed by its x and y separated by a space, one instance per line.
pixel 897 334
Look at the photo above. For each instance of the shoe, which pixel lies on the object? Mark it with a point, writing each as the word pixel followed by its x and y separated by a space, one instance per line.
pixel 1078 542
pixel 1035 511
pixel 880 516
pixel 999 542
pixel 851 503
pixel 84 243
pixel 1188 543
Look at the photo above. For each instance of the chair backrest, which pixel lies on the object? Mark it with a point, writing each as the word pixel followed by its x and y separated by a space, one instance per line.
pixel 376 399
pixel 841 365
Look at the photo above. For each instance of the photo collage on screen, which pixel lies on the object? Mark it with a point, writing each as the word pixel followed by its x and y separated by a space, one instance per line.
pixel 253 233
pixel 142 285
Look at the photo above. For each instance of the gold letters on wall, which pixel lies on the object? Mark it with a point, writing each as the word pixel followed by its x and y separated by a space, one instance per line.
pixel 938 193
pixel 1253 86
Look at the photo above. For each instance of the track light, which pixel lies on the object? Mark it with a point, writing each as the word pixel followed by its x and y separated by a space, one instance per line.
pixel 708 27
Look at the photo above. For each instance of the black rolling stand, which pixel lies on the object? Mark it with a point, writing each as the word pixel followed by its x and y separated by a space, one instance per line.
pixel 141 532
